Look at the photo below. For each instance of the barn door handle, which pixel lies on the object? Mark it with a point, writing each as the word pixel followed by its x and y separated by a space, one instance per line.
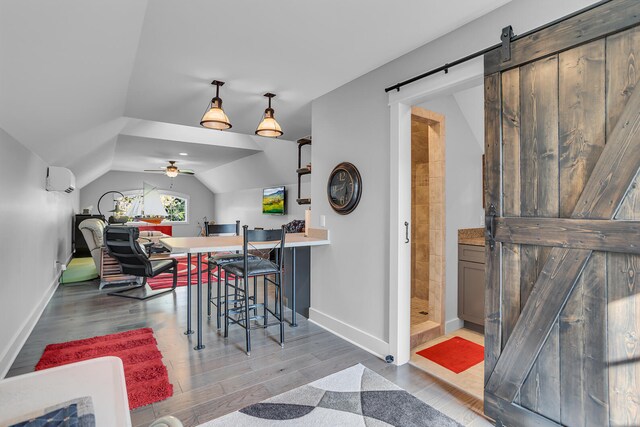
pixel 406 230
pixel 490 226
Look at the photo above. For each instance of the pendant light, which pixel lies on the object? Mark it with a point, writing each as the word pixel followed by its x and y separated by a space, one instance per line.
pixel 215 118
pixel 268 126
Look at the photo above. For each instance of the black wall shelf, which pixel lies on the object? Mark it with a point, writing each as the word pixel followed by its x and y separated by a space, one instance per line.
pixel 302 170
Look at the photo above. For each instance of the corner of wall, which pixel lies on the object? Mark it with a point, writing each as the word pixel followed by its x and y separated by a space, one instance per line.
pixel 355 336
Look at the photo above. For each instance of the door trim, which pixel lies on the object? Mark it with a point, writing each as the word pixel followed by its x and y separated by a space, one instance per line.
pixel 464 76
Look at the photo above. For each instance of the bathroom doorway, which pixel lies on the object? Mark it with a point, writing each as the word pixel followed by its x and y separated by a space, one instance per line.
pixel 427 225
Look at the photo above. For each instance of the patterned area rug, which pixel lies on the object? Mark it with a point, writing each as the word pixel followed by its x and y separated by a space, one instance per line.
pixel 356 396
pixel 165 280
pixel 145 374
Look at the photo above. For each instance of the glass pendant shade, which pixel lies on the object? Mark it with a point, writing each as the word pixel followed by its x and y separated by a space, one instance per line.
pixel 215 117
pixel 172 171
pixel 269 127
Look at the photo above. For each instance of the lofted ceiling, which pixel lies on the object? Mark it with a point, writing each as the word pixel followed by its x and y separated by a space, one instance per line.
pixel 121 84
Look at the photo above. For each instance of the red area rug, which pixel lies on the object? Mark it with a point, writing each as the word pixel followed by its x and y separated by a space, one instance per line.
pixel 165 280
pixel 145 374
pixel 456 354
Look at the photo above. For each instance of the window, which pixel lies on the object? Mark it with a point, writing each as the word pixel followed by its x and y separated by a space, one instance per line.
pixel 175 204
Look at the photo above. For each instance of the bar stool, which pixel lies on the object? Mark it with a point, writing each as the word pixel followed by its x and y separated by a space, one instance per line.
pixel 246 269
pixel 215 261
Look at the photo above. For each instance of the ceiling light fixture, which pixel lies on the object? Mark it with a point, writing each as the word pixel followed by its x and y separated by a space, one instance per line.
pixel 172 169
pixel 184 154
pixel 268 126
pixel 215 117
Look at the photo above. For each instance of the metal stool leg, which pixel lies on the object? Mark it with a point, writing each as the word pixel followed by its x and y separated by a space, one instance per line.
pixel 226 307
pixel 247 322
pixel 218 299
pixel 255 295
pixel 209 290
pixel 279 281
pixel 265 291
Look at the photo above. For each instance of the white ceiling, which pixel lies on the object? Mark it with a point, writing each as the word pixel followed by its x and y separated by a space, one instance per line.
pixel 75 75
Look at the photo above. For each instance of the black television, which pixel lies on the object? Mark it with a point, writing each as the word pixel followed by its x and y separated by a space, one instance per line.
pixel 273 201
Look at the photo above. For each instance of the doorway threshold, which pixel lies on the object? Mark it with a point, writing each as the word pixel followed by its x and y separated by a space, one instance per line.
pixel 471 381
pixel 424 332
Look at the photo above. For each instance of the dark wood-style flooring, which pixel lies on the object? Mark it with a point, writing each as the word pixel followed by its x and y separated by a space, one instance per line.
pixel 222 378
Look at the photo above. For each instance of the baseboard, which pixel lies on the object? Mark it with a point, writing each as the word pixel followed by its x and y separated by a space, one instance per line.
pixel 453 325
pixel 355 336
pixel 18 340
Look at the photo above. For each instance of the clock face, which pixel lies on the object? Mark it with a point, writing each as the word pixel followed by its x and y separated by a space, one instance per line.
pixel 344 188
pixel 341 190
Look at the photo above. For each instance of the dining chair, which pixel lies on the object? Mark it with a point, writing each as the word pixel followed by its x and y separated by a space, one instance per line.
pixel 238 310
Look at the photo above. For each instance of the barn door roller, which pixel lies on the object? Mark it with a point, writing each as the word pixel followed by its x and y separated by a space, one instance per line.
pixel 506 37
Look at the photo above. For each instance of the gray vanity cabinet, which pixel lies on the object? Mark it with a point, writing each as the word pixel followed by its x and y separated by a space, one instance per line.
pixel 471 283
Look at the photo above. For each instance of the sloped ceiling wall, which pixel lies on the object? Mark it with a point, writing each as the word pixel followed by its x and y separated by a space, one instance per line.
pixel 65 74
pixel 78 76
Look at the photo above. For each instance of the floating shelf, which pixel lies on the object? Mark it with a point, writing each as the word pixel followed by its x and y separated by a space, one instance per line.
pixel 306 201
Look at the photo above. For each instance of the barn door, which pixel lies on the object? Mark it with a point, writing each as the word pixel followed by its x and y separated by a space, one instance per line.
pixel 562 330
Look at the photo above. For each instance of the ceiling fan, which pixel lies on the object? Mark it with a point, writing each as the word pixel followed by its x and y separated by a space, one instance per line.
pixel 171 170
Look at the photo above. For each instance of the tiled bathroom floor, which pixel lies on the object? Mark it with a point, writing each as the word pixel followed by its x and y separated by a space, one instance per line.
pixel 419 305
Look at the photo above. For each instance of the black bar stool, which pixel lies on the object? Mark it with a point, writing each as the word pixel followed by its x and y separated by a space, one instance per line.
pixel 239 309
pixel 215 261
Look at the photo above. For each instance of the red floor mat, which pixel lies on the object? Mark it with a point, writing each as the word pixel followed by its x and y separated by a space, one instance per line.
pixel 456 354
pixel 145 374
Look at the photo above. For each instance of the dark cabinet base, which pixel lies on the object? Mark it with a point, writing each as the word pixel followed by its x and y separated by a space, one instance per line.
pixel 303 278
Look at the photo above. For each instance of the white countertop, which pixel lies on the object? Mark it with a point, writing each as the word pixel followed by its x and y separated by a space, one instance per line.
pixel 234 243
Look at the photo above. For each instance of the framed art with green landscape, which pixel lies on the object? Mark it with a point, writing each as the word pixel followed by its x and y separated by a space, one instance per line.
pixel 273 201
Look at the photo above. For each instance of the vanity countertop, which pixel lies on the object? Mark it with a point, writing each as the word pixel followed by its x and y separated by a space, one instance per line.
pixel 471 236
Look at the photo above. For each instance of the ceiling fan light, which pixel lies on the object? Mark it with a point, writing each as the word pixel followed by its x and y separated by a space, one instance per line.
pixel 215 117
pixel 172 171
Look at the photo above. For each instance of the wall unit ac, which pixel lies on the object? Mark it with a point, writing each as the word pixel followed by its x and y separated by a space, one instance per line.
pixel 60 179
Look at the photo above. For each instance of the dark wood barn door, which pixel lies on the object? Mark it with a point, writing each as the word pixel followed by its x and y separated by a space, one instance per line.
pixel 562 330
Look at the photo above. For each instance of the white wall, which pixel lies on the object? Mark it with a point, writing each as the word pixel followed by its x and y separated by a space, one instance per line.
pixel 36 231
pixel 200 198
pixel 350 290
pixel 246 206
pixel 238 185
pixel 463 189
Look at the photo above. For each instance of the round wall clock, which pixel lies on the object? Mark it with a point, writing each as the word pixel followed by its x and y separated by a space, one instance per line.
pixel 344 188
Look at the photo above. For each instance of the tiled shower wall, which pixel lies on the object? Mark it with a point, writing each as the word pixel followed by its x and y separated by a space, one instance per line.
pixel 427 213
pixel 420 208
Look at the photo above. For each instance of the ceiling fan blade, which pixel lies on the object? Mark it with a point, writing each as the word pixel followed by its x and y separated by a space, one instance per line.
pixel 186 172
pixel 155 170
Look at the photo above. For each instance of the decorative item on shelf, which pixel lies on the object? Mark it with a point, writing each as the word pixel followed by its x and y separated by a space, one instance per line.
pixel 151 219
pixel 116 205
pixel 344 188
pixel 215 117
pixel 307 221
pixel 154 211
pixel 268 126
